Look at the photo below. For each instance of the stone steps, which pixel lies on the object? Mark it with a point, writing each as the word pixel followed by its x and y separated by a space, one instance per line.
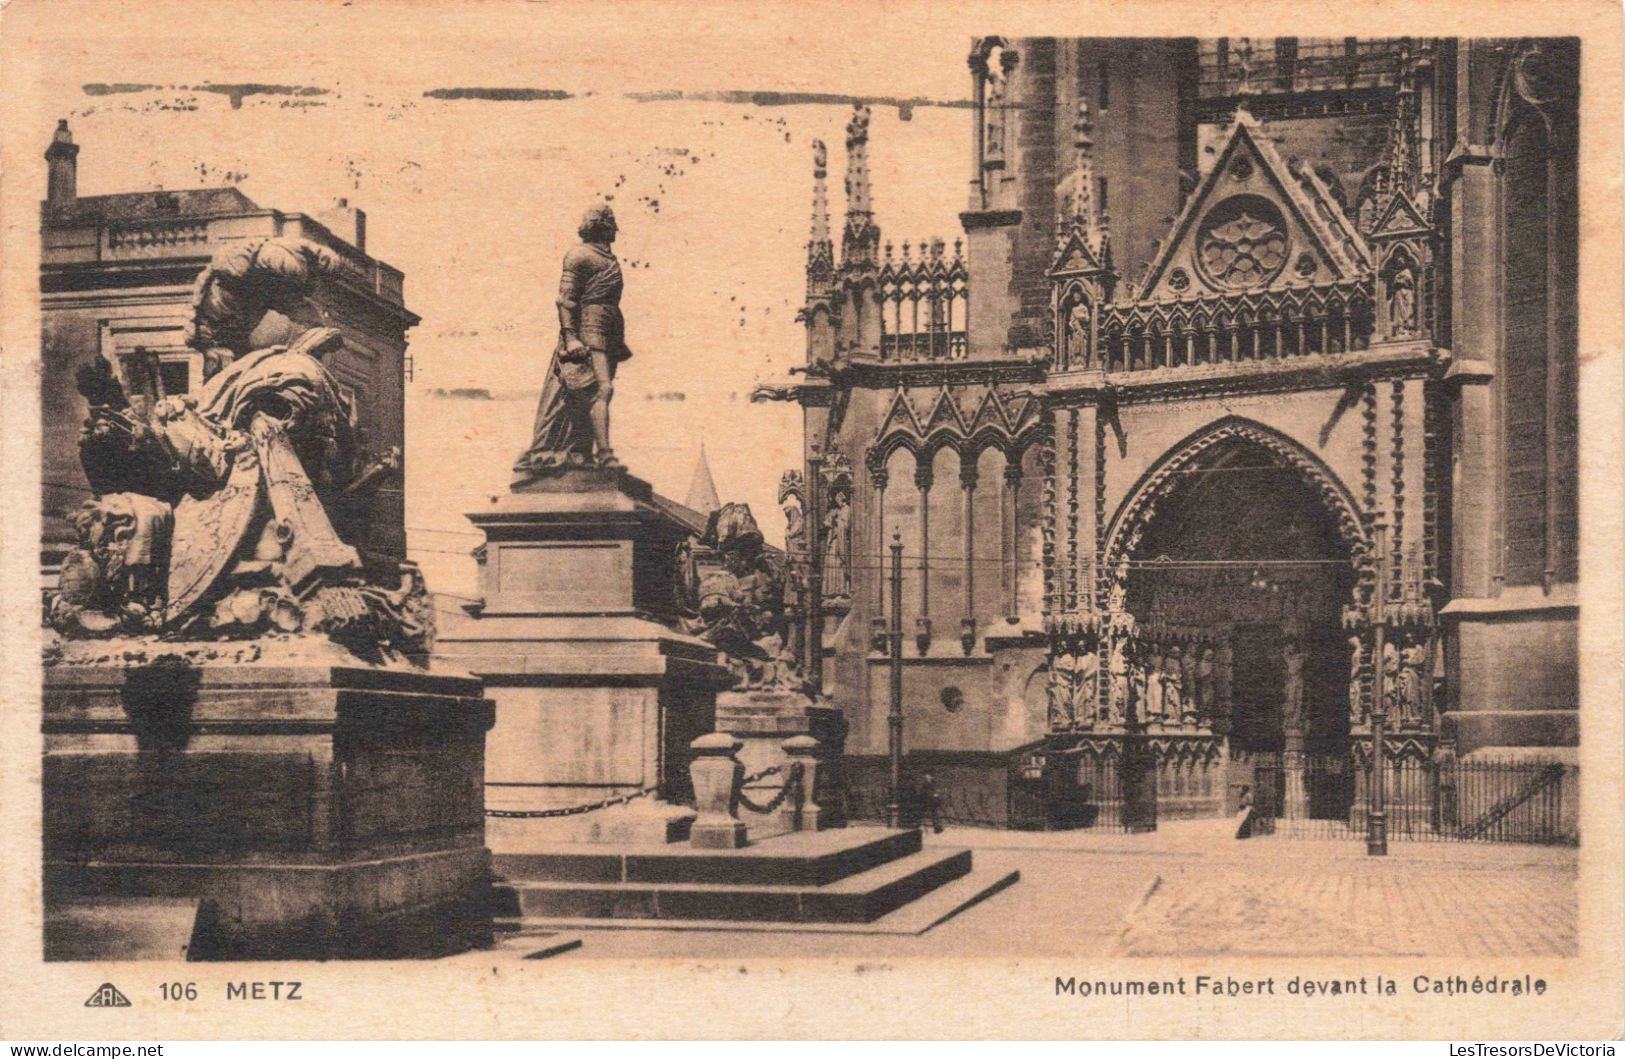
pixel 802 858
pixel 859 898
pixel 839 876
pixel 915 917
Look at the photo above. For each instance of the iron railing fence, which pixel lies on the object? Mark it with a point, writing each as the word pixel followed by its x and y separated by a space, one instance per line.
pixel 1480 800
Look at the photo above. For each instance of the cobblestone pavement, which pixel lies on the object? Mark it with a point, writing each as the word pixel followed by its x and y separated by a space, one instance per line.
pixel 1180 892
pixel 1408 908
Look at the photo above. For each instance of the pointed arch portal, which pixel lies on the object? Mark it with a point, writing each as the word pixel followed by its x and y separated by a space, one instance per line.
pixel 1236 554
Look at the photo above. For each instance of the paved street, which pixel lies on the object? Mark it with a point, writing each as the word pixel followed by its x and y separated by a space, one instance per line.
pixel 1185 891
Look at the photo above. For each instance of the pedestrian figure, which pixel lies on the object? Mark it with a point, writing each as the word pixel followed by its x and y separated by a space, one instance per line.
pixel 930 802
pixel 1242 823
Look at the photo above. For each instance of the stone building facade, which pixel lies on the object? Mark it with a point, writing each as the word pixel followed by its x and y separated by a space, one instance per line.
pixel 1231 324
pixel 117 274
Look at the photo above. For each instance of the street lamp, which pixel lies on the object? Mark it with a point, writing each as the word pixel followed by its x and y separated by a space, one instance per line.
pixel 894 720
pixel 1376 818
pixel 813 639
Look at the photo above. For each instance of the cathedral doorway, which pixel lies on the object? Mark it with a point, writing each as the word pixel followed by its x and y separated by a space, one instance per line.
pixel 1236 574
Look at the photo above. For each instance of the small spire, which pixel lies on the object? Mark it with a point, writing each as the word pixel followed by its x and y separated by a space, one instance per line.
pixel 1083 213
pixel 702 490
pixel 1404 162
pixel 820 209
pixel 857 162
pixel 860 242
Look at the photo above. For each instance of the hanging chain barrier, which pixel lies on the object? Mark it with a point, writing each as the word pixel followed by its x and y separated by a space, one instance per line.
pixel 791 782
pixel 573 810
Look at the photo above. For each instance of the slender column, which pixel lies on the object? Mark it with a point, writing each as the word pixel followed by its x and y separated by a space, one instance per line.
pixel 967 481
pixel 922 479
pixel 877 619
pixel 894 716
pixel 813 666
pixel 1376 836
pixel 1012 490
pixel 877 481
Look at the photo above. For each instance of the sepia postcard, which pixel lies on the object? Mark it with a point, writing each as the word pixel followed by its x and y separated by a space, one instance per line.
pixel 796 520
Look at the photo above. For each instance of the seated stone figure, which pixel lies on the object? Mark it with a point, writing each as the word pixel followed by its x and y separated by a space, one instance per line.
pixel 741 603
pixel 212 515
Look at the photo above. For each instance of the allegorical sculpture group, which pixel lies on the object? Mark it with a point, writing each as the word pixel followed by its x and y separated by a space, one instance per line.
pixel 229 512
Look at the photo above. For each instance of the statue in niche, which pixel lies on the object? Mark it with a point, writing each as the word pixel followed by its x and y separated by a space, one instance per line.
pixel 1356 684
pixel 1412 660
pixel 1117 595
pixel 1086 682
pixel 1153 684
pixel 993 105
pixel 795 526
pixel 1222 674
pixel 1173 683
pixel 838 545
pixel 1062 710
pixel 1121 683
pixel 1072 686
pixel 1292 659
pixel 1203 688
pixel 1390 679
pixel 1077 335
pixel 1402 302
pixel 572 419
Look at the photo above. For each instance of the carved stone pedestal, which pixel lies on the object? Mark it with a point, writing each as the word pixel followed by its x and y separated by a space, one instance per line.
pixel 594 700
pixel 266 800
pixel 762 721
pixel 716 773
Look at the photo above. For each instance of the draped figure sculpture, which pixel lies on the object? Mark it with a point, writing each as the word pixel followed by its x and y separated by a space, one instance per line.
pixel 572 420
pixel 212 512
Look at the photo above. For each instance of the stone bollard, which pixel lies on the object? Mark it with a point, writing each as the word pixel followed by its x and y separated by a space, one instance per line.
pixel 716 776
pixel 806 751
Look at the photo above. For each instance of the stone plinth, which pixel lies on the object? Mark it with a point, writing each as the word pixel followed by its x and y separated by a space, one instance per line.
pixel 761 721
pixel 307 805
pixel 596 697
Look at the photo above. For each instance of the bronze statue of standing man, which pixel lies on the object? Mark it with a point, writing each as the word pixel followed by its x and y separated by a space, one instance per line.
pixel 572 421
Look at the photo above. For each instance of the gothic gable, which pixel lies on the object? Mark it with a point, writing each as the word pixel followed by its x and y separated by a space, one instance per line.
pixel 992 413
pixel 945 414
pixel 1074 256
pixel 1400 220
pixel 1253 225
pixel 900 417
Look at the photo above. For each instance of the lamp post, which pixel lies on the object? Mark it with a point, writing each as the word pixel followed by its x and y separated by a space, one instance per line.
pixel 1376 817
pixel 894 719
pixel 813 640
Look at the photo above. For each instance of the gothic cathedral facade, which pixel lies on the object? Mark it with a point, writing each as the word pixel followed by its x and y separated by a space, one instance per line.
pixel 1248 346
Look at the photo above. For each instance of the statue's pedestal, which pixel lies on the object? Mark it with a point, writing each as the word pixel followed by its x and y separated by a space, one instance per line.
pixel 291 801
pixel 761 721
pixel 595 698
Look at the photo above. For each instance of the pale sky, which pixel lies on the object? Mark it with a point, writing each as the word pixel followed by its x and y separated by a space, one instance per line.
pixel 477 201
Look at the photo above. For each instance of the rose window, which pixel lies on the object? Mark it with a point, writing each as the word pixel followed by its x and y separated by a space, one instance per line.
pixel 1242 243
